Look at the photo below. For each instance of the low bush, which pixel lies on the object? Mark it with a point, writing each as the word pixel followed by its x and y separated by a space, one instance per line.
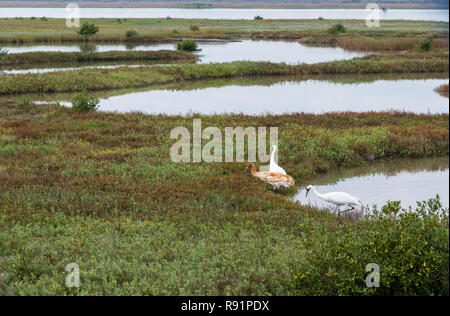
pixel 131 33
pixel 24 103
pixel 83 103
pixel 425 44
pixel 188 46
pixel 194 28
pixel 337 28
pixel 88 29
pixel 410 247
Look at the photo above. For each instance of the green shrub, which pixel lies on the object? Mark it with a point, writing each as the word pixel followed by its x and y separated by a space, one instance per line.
pixel 59 109
pixel 411 248
pixel 24 103
pixel 131 33
pixel 337 28
pixel 83 103
pixel 258 17
pixel 425 44
pixel 194 28
pixel 88 29
pixel 321 18
pixel 188 46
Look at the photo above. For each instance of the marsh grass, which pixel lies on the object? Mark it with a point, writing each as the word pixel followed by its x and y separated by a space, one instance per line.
pixel 151 30
pixel 442 90
pixel 337 29
pixel 99 189
pixel 123 77
pixel 384 44
pixel 75 57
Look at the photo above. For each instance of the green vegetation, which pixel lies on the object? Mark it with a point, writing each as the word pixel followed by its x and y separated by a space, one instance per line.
pixel 410 247
pixel 425 44
pixel 131 33
pixel 102 79
pixel 81 102
pixel 88 29
pixel 188 46
pixel 337 29
pixel 111 56
pixel 25 102
pixel 443 90
pixel 378 44
pixel 151 30
pixel 258 18
pixel 277 4
pixel 100 189
pixel 194 28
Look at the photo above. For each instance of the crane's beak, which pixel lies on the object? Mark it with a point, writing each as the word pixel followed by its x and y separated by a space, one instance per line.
pixel 307 191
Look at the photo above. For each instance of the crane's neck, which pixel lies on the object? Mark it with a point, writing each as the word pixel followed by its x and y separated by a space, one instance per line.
pixel 317 193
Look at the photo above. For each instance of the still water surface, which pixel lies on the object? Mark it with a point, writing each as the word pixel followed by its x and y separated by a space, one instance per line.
pixel 219 52
pixel 407 181
pixel 233 14
pixel 311 96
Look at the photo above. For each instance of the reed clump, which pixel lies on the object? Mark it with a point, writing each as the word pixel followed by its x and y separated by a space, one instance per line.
pixel 442 90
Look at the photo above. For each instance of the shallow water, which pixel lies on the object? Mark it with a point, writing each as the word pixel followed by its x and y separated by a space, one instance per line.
pixel 407 181
pixel 233 14
pixel 310 96
pixel 219 52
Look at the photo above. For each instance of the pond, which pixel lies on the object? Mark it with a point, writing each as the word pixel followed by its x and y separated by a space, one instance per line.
pixel 255 96
pixel 407 181
pixel 228 13
pixel 219 52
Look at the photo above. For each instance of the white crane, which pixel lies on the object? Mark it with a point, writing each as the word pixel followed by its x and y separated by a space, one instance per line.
pixel 337 198
pixel 273 167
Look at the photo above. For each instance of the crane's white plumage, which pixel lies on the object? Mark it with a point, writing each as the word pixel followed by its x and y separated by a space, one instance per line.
pixel 273 167
pixel 337 198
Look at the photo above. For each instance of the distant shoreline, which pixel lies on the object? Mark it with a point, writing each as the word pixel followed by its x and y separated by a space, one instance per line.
pixel 222 5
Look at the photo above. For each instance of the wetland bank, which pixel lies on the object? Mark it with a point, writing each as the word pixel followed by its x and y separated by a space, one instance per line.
pixel 99 188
